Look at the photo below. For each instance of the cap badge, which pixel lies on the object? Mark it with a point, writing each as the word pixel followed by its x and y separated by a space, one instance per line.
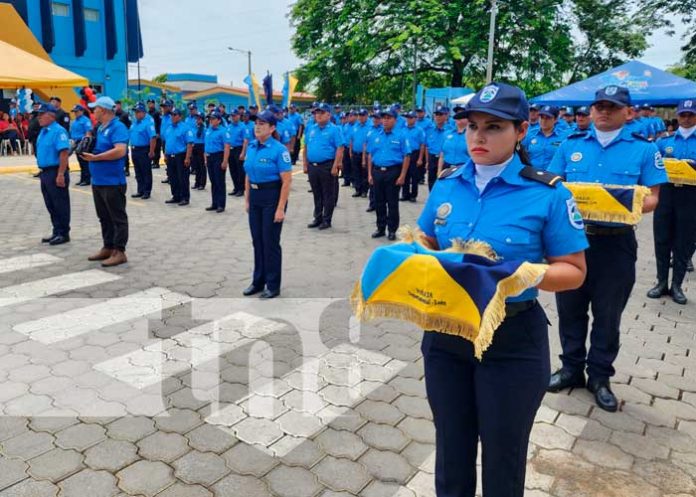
pixel 488 94
pixel 688 104
pixel 611 90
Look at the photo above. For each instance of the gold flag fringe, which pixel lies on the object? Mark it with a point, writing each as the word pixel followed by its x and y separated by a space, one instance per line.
pixel 632 217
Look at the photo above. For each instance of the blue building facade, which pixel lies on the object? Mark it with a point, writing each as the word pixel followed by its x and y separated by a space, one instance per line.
pixel 93 38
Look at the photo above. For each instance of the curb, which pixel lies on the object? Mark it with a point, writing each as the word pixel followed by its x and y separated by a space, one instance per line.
pixel 30 169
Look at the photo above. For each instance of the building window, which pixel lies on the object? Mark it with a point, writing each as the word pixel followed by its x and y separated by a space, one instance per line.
pixel 92 15
pixel 60 9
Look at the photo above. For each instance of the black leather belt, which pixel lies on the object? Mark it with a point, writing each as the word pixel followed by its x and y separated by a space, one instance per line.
pixel 325 163
pixel 144 147
pixel 177 155
pixel 384 168
pixel 214 154
pixel 593 229
pixel 514 308
pixel 271 185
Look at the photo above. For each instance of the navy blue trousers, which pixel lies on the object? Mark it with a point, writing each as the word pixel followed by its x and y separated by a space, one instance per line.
pixel 386 196
pixel 218 187
pixel 432 170
pixel 611 274
pixel 359 173
pixel 237 170
pixel 143 169
pixel 57 200
pixel 265 235
pixel 493 400
pixel 178 177
pixel 410 188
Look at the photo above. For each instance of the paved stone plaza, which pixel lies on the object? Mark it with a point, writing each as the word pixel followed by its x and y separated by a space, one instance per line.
pixel 157 379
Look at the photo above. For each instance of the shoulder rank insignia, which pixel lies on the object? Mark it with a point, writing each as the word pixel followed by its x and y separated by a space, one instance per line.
pixel 540 175
pixel 447 172
pixel 577 134
pixel 639 137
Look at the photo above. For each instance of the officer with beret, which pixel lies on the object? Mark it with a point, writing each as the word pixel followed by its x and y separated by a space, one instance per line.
pixel 416 139
pixel 433 143
pixel 387 165
pixel 217 156
pixel 583 121
pixel 358 156
pixel 523 213
pixel 178 146
pixel 607 154
pixel 323 156
pixel 268 170
pixel 80 127
pixel 52 148
pixel 542 142
pixel 143 140
pixel 236 130
pixel 454 151
pixel 157 119
pixel 674 222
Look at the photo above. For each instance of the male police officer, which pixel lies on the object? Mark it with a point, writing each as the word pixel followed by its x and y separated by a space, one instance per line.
pixel 166 121
pixel 52 158
pixel 416 139
pixel 674 222
pixel 235 139
pixel 296 119
pixel 323 156
pixel 62 117
pixel 542 142
pixel 79 128
pixel 387 165
pixel 178 146
pixel 583 122
pixel 433 143
pixel 358 139
pixel 157 119
pixel 534 117
pixel 143 140
pixel 607 154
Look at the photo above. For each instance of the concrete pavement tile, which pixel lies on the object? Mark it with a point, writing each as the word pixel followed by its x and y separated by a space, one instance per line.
pixel 53 424
pixel 178 421
pixel 380 412
pixel 287 481
pixel 341 474
pixel 420 456
pixel 56 465
pixel 414 407
pixel 294 451
pixel 585 428
pixel 422 484
pixel 420 430
pixel 11 426
pixel 11 471
pixel 248 460
pixel 300 424
pixel 383 437
pixel 182 490
pixel 89 482
pixel 131 428
pixel 340 443
pixel 208 438
pixel 667 477
pixel 258 431
pixel 161 446
pixel 80 436
pixel 27 445
pixel 145 478
pixel 30 488
pixel 603 454
pixel 656 388
pixel 387 466
pixel 233 485
pixel 204 468
pixel 111 455
pixel 639 445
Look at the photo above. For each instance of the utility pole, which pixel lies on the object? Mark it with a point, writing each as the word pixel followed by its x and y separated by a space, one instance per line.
pixel 248 54
pixel 415 71
pixel 491 41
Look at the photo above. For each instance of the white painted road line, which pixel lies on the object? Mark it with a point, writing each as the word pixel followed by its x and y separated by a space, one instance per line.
pixel 83 320
pixel 26 262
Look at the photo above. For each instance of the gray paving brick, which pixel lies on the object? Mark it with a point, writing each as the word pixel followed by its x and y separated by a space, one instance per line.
pixel 161 446
pixel 27 445
pixel 208 438
pixel 182 490
pixel 387 466
pixel 204 468
pixel 80 436
pixel 383 437
pixel 381 489
pixel 341 474
pixel 340 443
pixel 420 430
pixel 294 451
pixel 258 431
pixel 287 481
pixel 111 455
pixel 89 482
pixel 247 486
pixel 603 454
pixel 415 407
pixel 178 421
pixel 56 465
pixel 639 445
pixel 131 429
pixel 31 488
pixel 248 460
pixel 11 471
pixel 11 427
pixel 655 388
pixel 380 412
pixel 145 478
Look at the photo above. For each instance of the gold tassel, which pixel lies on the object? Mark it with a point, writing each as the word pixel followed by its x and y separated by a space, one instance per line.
pixel 473 247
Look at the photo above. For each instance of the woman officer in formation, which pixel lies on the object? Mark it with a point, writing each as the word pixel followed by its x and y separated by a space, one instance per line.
pixel 524 214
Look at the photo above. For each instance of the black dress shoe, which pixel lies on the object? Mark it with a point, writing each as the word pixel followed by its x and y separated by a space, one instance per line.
pixel 146 196
pixel 268 294
pixel 412 199
pixel 314 224
pixel 563 379
pixel 211 208
pixel 251 290
pixel 240 193
pixel 658 290
pixel 603 395
pixel 165 181
pixel 378 234
pixel 137 195
pixel 370 209
pixel 324 226
pixel 391 236
pixel 232 194
pixel 184 202
pixel 690 266
pixel 356 194
pixel 220 209
pixel 172 201
pixel 363 195
pixel 79 184
pixel 59 240
pixel 48 239
pixel 678 295
pixel 86 183
pixel 403 199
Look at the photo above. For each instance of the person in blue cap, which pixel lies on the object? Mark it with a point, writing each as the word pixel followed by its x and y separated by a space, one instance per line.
pixel 236 131
pixel 433 143
pixel 298 123
pixel 347 166
pixel 674 222
pixel 583 119
pixel 268 177
pixel 217 156
pixel 416 140
pixel 358 156
pixel 196 133
pixel 322 160
pixel 526 215
pixel 284 127
pixel 647 111
pixel 454 148
pixel 569 118
pixel 387 165
pixel 374 129
pixel 635 124
pixel 109 182
pixel 157 119
pixel 80 127
pixel 534 117
pixel 607 154
pixel 542 143
pixel 423 121
pixel 52 146
pixel 178 146
pixel 143 140
pixel 166 107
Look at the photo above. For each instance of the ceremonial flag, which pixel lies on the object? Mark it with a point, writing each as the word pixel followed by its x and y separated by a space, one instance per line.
pixel 609 203
pixel 268 88
pixel 289 85
pixel 681 171
pixel 460 291
pixel 253 86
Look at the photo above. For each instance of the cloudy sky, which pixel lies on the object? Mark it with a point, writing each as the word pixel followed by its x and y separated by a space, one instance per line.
pixel 193 36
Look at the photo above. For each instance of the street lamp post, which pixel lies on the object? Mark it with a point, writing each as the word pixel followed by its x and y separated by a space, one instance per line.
pixel 248 54
pixel 491 41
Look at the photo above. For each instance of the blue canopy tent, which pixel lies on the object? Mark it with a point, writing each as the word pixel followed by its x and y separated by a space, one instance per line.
pixel 647 84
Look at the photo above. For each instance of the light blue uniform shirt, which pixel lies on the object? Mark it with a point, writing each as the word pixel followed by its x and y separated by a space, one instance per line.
pixel 522 219
pixel 323 142
pixel 561 125
pixel 176 137
pixel 285 131
pixel 249 131
pixel 165 122
pixel 196 134
pixel 542 148
pixel 296 120
pixel 79 127
pixel 371 133
pixel 454 147
pixel 347 130
pixel 434 139
pixel 389 149
pixel 141 132
pixel 360 131
pixel 51 141
pixel 235 134
pixel 425 124
pixel 110 172
pixel 215 139
pixel 678 147
pixel 416 137
pixel 264 163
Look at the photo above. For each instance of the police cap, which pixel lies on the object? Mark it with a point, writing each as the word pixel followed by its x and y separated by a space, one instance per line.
pixel 618 95
pixel 686 106
pixel 441 109
pixel 139 107
pixel 176 112
pixel 362 112
pixel 500 100
pixel 268 117
pixel 47 108
pixel 582 111
pixel 549 110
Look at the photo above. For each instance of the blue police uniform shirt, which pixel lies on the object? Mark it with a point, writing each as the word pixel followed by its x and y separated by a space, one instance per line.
pixel 561 125
pixel 389 148
pixel 416 137
pixel 215 139
pixel 454 149
pixel 142 131
pixel 235 134
pixel 359 137
pixel 265 162
pixel 165 122
pixel 322 142
pixel 285 131
pixel 542 148
pixel 196 134
pixel 400 122
pixel 109 172
pixel 369 138
pixel 658 124
pixel 678 147
pixel 51 141
pixel 533 126
pixel 425 124
pixel 640 127
pixel 249 131
pixel 522 219
pixel 435 138
pixel 347 131
pixel 296 120
pixel 79 127
pixel 176 137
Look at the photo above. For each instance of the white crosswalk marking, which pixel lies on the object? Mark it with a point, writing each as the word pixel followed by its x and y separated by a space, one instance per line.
pixel 83 320
pixel 154 363
pixel 26 262
pixel 46 287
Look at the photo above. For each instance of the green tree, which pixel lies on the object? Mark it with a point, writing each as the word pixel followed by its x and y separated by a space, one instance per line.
pixel 685 10
pixel 160 78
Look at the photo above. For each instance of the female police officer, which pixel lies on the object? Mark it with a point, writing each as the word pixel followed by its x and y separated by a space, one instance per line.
pixel 454 151
pixel 267 187
pixel 524 214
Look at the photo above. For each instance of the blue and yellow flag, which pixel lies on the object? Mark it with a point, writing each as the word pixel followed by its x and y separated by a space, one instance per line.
pixel 609 203
pixel 289 85
pixel 253 86
pixel 681 171
pixel 459 291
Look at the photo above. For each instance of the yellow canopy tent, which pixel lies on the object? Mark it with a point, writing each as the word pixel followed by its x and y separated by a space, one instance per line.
pixel 20 68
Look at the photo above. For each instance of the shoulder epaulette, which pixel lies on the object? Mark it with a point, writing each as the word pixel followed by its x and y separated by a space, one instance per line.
pixel 540 175
pixel 577 134
pixel 639 136
pixel 447 172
